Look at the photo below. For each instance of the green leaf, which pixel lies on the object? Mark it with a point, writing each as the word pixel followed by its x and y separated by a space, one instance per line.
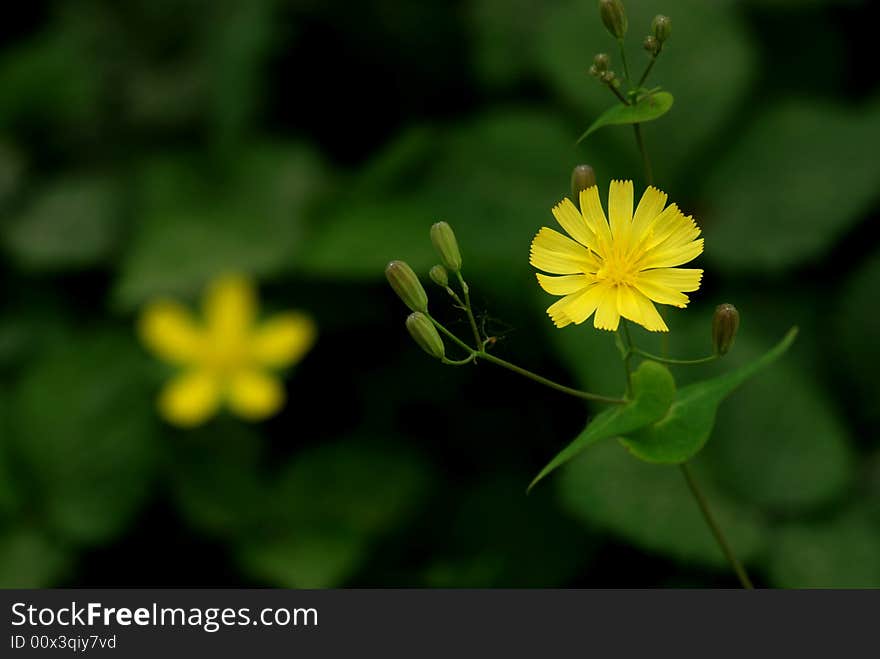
pixel 653 392
pixel 28 559
pixel 650 107
pixel 327 509
pixel 841 553
pixel 83 436
pixel 192 226
pixel 71 223
pixel 686 427
pixel 506 168
pixel 776 200
pixel 650 506
pixel 857 326
pixel 483 544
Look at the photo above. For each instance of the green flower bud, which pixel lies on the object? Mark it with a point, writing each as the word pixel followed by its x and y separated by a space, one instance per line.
pixel 407 285
pixel 422 330
pixel 651 45
pixel 661 27
pixel 725 323
pixel 446 245
pixel 582 177
pixel 439 276
pixel 608 77
pixel 601 61
pixel 614 17
pixel 594 71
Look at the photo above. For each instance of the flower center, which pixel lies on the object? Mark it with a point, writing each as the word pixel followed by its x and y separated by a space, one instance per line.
pixel 617 271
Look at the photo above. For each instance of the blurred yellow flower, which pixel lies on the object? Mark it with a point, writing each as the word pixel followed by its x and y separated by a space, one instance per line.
pixel 228 358
pixel 621 268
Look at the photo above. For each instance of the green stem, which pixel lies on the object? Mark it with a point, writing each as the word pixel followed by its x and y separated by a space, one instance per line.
pixel 648 70
pixel 627 364
pixel 617 93
pixel 623 59
pixel 586 395
pixel 474 355
pixel 469 311
pixel 459 362
pixel 741 574
pixel 668 360
pixel 646 162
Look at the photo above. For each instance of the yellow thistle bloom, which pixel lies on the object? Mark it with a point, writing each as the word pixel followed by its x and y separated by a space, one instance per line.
pixel 621 268
pixel 227 358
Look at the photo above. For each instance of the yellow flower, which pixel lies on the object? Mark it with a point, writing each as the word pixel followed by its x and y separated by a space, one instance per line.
pixel 227 358
pixel 619 269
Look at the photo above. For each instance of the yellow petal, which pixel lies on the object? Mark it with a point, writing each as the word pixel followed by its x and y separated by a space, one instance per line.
pixel 679 279
pixel 591 206
pixel 666 285
pixel 637 308
pixel 620 211
pixel 558 254
pixel 564 285
pixel 254 395
pixel 607 313
pixel 668 257
pixel 575 225
pixel 169 330
pixel 650 206
pixel 283 339
pixel 230 307
pixel 190 399
pixel 577 307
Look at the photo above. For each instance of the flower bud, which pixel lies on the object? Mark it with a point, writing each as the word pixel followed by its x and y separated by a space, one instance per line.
pixel 661 27
pixel 423 332
pixel 582 177
pixel 446 245
pixel 601 61
pixel 725 323
pixel 607 77
pixel 614 17
pixel 439 276
pixel 651 45
pixel 407 285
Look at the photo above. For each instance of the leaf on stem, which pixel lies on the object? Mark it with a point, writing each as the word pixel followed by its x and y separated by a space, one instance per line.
pixel 684 430
pixel 653 392
pixel 650 107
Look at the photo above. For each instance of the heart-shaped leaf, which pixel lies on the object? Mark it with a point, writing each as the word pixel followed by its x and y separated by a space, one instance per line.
pixel 653 392
pixel 684 430
pixel 648 108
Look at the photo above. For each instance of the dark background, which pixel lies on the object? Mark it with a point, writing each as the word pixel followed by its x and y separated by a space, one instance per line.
pixel 147 146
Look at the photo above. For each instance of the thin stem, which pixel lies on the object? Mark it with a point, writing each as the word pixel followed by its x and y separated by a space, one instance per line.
pixel 455 297
pixel 474 355
pixel 668 360
pixel 741 574
pixel 455 339
pixel 627 364
pixel 623 59
pixel 468 310
pixel 646 162
pixel 459 362
pixel 586 395
pixel 648 70
pixel 617 93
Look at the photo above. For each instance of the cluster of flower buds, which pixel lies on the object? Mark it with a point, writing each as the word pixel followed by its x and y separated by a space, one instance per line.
pixel 661 28
pixel 408 288
pixel 599 69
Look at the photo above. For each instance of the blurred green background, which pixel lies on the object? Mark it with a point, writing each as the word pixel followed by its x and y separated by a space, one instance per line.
pixel 147 146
